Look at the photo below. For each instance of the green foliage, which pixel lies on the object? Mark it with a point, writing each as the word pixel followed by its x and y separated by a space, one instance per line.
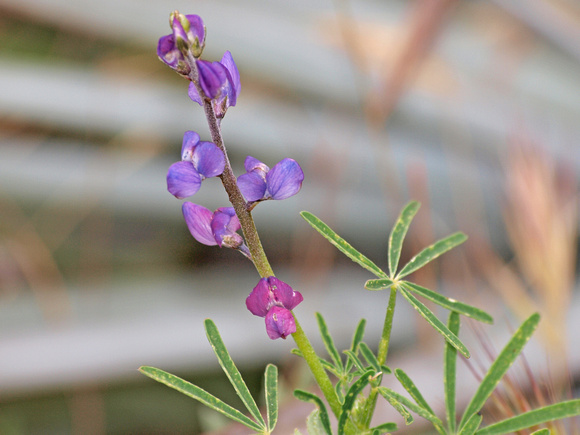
pixel 270 384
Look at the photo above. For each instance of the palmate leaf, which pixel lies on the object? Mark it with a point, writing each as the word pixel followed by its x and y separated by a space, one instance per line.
pixel 356 339
pixel 412 389
pixel 500 366
pixel 201 395
pixel 434 321
pixel 342 245
pixel 472 424
pixel 431 252
pixel 528 419
pixel 398 234
pixel 231 370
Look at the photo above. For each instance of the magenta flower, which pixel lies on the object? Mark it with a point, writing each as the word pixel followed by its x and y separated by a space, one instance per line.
pixel 220 83
pixel 274 300
pixel 260 182
pixel 217 228
pixel 199 160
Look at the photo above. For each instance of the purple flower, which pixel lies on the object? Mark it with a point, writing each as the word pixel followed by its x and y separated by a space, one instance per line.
pixel 220 83
pixel 274 300
pixel 217 228
pixel 199 160
pixel 260 182
pixel 188 37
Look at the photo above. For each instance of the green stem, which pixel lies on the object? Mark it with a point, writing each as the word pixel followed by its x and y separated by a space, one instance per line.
pixel 371 402
pixel 316 368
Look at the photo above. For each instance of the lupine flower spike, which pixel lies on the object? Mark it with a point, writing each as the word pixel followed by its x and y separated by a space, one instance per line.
pixel 199 160
pixel 261 183
pixel 274 300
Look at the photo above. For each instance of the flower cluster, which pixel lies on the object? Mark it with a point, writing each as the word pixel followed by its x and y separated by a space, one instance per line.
pixel 274 300
pixel 218 83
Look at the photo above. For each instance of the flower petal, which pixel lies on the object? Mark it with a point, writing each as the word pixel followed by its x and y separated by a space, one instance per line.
pixel 190 141
pixel 183 180
pixel 168 52
pixel 198 220
pixel 208 159
pixel 280 323
pixel 252 186
pixel 283 294
pixel 253 164
pixel 260 299
pixel 284 179
pixel 193 94
pixel 197 29
pixel 212 78
pixel 224 225
pixel 233 77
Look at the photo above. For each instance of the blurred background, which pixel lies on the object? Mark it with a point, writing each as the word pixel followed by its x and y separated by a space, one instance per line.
pixel 471 107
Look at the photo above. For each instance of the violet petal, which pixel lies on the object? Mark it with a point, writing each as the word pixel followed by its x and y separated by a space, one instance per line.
pixel 252 186
pixel 280 323
pixel 196 28
pixel 212 77
pixel 233 76
pixel 190 141
pixel 224 224
pixel 208 159
pixel 168 52
pixel 284 179
pixel 193 94
pixel 183 180
pixel 253 164
pixel 198 220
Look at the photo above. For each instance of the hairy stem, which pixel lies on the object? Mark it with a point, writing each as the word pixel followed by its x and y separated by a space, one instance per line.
pixel 316 368
pixel 235 196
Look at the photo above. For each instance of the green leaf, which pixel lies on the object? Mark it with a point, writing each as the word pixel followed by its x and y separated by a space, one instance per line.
pixel 450 372
pixel 398 234
pixel 471 425
pixel 200 395
pixel 305 396
pixel 385 427
pixel 541 432
pixel 350 398
pixel 412 389
pixel 378 284
pixel 329 343
pixel 500 366
pixel 419 410
pixel 390 396
pixel 231 370
pixel 431 252
pixel 434 321
pixel 342 245
pixel 356 339
pixel 528 419
pixel 353 358
pixel 370 357
pixel 450 304
pixel 271 395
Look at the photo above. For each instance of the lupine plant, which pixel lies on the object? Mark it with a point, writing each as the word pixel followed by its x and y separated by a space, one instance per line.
pixel 358 373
